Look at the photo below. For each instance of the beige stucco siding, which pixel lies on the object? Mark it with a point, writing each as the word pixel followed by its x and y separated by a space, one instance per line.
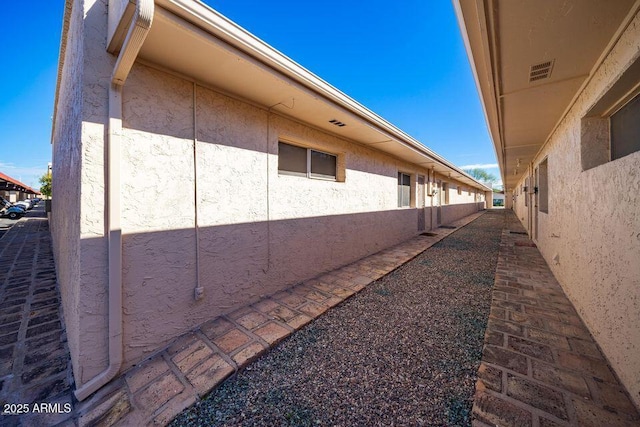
pixel 520 203
pixel 202 202
pixel 93 299
pixel 463 197
pixel 591 235
pixel 232 160
pixel 65 230
pixel 454 212
pixel 157 192
pixel 255 226
pixel 78 188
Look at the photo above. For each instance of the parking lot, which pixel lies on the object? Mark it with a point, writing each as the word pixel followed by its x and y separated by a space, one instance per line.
pixel 6 223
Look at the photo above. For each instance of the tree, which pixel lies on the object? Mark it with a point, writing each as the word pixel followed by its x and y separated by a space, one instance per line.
pixel 481 175
pixel 45 187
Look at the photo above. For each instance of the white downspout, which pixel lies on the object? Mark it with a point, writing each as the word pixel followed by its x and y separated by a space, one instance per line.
pixel 138 30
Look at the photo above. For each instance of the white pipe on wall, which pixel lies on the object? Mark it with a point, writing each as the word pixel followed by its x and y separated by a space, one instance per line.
pixel 138 30
pixel 198 292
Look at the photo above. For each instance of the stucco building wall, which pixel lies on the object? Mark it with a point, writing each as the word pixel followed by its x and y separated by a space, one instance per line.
pixel 451 213
pixel 78 220
pixel 518 196
pixel 202 203
pixel 254 225
pixel 65 229
pixel 93 286
pixel 590 236
pixel 461 196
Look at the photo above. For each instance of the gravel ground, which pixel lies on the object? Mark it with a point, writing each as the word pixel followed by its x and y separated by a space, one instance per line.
pixel 404 351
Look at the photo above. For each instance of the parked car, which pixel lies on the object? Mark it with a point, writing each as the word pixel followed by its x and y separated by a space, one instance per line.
pixel 26 203
pixel 13 212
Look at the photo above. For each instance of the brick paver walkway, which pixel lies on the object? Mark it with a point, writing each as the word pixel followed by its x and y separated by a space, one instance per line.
pixel 540 366
pixel 34 359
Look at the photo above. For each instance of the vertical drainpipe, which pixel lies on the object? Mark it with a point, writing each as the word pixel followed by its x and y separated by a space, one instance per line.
pixel 138 30
pixel 198 292
pixel 268 264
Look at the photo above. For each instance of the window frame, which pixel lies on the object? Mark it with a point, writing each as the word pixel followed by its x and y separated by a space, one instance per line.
pixel 595 126
pixel 401 193
pixel 309 174
pixel 613 155
pixel 313 175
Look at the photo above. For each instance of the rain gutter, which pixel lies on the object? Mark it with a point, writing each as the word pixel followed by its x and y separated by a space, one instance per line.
pixel 138 30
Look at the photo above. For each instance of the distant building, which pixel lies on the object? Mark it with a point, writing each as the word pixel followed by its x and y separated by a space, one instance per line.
pixel 498 198
pixel 13 190
pixel 196 169
pixel 560 86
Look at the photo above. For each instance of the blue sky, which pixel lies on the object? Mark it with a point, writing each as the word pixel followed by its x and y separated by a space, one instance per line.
pixel 406 63
pixel 27 84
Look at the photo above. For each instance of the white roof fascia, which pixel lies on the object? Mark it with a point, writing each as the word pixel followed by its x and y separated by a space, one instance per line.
pixel 68 4
pixel 211 21
pixel 497 139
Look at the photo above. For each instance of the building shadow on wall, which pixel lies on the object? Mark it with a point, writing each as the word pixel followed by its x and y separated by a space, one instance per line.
pixel 235 265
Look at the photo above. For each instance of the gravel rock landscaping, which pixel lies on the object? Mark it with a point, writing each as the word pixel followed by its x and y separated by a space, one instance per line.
pixel 404 351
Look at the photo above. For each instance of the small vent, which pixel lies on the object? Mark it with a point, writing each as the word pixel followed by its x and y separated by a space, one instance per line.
pixel 540 71
pixel 337 123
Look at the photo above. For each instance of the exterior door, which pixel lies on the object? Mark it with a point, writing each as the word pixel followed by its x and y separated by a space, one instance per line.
pixel 420 203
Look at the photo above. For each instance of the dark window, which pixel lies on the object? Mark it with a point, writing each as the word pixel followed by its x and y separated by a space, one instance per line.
pixel 292 159
pixel 323 165
pixel 625 129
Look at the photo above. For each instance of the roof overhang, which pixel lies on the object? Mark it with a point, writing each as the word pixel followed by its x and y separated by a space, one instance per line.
pixel 191 39
pixel 531 60
pixel 9 184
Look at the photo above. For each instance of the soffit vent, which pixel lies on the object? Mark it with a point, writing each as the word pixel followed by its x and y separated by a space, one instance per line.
pixel 337 122
pixel 540 71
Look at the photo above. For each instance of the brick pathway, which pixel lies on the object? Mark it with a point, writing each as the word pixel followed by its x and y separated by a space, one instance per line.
pixel 540 366
pixel 34 359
